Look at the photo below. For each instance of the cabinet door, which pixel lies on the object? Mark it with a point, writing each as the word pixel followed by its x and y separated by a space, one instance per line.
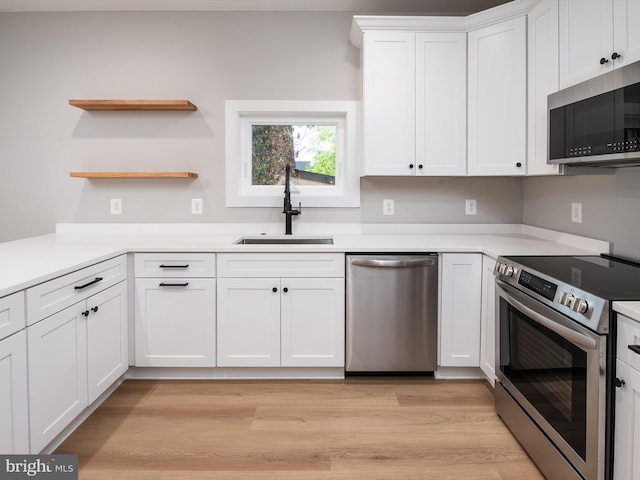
pixel 388 68
pixel 497 99
pixel 543 80
pixel 312 322
pixel 248 322
pixel 586 36
pixel 14 414
pixel 626 34
pixel 627 433
pixel 460 307
pixel 57 373
pixel 175 322
pixel 441 103
pixel 107 339
pixel 488 320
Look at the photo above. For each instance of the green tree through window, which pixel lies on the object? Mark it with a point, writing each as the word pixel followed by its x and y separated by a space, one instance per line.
pixel 307 148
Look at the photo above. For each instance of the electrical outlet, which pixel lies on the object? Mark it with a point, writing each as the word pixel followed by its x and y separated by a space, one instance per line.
pixel 196 206
pixel 116 206
pixel 388 207
pixel 576 212
pixel 470 207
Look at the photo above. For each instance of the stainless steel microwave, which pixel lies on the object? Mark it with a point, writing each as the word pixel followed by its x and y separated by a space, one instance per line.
pixel 597 122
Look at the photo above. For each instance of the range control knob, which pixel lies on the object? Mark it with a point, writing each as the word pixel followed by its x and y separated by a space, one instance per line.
pixel 565 299
pixel 509 271
pixel 580 305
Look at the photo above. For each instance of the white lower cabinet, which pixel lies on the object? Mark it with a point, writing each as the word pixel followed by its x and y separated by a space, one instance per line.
pixel 488 320
pixel 272 321
pixel 627 434
pixel 74 356
pixel 57 373
pixel 248 322
pixel 627 423
pixel 175 310
pixel 460 309
pixel 175 322
pixel 107 339
pixel 14 414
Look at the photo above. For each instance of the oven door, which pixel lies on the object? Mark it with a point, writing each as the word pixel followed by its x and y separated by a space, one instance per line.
pixel 555 370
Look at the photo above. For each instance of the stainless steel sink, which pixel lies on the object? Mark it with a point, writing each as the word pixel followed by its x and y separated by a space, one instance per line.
pixel 284 240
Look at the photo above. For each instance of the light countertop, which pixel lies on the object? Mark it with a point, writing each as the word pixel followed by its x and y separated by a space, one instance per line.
pixel 628 309
pixel 34 260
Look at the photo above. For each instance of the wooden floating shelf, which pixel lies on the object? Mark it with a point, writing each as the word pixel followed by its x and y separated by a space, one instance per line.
pixel 133 174
pixel 135 105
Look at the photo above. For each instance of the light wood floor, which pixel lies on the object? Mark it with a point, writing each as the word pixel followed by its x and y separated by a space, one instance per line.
pixel 360 428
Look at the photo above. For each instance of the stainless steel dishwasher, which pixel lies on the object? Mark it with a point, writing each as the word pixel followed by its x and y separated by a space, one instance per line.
pixel 392 313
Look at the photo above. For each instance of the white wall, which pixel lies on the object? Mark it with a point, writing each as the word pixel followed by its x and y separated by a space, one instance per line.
pixel 206 57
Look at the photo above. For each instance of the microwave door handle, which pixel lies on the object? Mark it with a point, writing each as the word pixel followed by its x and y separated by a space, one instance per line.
pixel 561 330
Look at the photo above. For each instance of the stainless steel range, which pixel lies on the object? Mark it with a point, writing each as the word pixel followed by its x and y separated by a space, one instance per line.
pixel 556 358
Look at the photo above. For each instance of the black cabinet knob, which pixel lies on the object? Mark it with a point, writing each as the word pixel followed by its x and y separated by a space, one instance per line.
pixel 94 309
pixel 420 166
pixel 618 383
pixel 518 164
pixel 274 289
pixel 285 289
pixel 411 165
pixel 604 60
pixel 615 55
pixel 85 313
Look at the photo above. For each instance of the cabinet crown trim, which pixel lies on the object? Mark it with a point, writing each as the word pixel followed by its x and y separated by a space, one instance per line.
pixel 362 23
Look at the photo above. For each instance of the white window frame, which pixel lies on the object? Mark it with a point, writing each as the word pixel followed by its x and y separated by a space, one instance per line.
pixel 241 115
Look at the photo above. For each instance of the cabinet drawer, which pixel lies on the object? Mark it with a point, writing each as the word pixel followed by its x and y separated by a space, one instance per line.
pixel 628 334
pixel 12 316
pixel 175 265
pixel 52 296
pixel 281 265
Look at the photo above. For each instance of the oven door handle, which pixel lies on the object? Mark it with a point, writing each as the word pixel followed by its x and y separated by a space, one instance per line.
pixel 571 335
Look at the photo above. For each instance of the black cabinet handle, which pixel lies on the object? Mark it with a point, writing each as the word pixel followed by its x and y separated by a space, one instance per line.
pixel 604 60
pixel 175 266
pixel 274 289
pixel 420 166
pixel 285 289
pixel 518 164
pixel 85 313
pixel 618 383
pixel 174 284
pixel 94 309
pixel 615 55
pixel 634 348
pixel 411 165
pixel 96 280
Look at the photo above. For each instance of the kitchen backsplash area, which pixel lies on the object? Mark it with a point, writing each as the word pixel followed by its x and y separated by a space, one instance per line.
pixel 610 206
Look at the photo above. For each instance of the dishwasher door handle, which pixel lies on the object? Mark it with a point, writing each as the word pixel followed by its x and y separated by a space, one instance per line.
pixel 370 262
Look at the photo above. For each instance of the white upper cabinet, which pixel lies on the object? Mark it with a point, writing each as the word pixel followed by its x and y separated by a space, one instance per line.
pixel 441 104
pixel 597 36
pixel 389 102
pixel 543 79
pixel 414 97
pixel 497 98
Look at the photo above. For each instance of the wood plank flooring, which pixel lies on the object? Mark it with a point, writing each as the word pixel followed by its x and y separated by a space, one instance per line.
pixel 359 428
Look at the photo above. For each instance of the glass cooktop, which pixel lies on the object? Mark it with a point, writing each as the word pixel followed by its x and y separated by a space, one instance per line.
pixel 605 277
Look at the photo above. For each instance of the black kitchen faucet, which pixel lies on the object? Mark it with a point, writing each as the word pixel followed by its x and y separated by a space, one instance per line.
pixel 288 211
